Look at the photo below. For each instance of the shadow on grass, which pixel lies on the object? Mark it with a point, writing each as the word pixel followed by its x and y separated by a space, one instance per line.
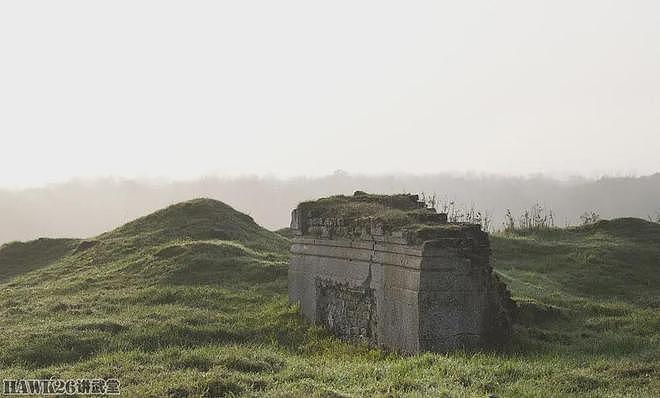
pixel 18 258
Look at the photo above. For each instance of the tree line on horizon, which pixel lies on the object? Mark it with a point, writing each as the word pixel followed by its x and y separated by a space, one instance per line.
pixel 83 208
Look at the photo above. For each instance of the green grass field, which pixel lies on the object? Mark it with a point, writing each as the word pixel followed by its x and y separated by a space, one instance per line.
pixel 191 301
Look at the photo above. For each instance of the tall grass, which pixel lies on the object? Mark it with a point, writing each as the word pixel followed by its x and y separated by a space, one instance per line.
pixel 533 219
pixel 459 213
pixel 538 217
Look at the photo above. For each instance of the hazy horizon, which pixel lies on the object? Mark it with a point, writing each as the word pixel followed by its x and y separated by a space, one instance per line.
pixel 147 89
pixel 84 208
pixel 111 110
pixel 564 177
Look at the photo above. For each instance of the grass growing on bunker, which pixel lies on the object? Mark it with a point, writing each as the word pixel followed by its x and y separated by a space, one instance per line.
pixel 191 301
pixel 401 213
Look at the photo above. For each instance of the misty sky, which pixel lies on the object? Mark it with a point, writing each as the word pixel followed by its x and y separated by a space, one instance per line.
pixel 181 89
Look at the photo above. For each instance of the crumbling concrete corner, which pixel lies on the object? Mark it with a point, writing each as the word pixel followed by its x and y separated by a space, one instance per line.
pixel 387 271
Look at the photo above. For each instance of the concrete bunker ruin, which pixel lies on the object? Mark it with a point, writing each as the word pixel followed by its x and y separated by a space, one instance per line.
pixel 388 271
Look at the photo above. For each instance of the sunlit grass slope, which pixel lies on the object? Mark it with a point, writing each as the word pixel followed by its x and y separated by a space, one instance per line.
pixel 191 301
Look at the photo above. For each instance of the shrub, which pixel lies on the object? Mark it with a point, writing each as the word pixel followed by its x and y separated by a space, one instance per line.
pixel 589 217
pixel 533 219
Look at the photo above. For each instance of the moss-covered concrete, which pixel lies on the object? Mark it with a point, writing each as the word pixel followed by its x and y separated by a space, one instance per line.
pixel 427 283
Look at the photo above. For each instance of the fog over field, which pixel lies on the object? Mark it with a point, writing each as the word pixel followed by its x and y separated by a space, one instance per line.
pixel 83 208
pixel 401 93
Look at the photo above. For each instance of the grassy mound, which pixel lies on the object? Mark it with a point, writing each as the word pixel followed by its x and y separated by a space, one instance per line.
pixel 198 219
pixel 626 228
pixel 612 259
pixel 191 301
pixel 20 257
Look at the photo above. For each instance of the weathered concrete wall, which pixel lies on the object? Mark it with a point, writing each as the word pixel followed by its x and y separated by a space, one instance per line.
pixel 379 288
